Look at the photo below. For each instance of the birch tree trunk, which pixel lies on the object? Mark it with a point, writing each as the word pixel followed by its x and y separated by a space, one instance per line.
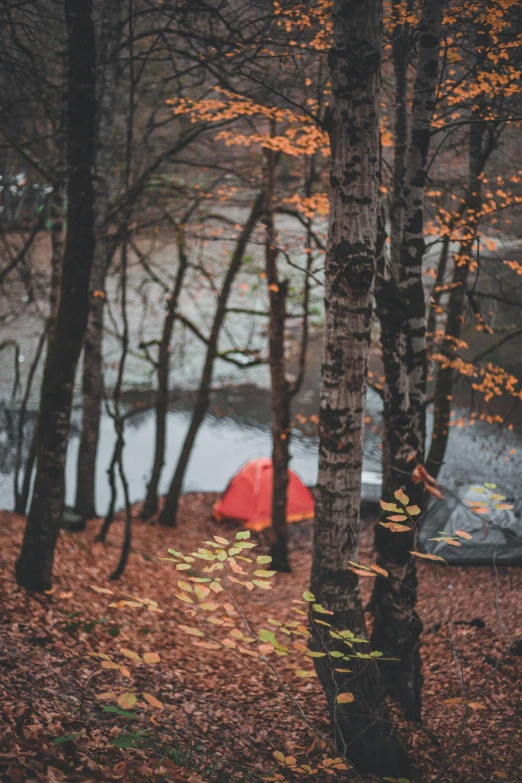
pixel 413 244
pixel 402 311
pixel 362 728
pixel 92 380
pixel 34 566
pixel 170 509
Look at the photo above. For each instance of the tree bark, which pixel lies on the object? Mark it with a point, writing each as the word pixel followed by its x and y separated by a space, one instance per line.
pixel 401 48
pixel 413 244
pixel 34 566
pixel 280 391
pixel 92 380
pixel 150 506
pixel 362 728
pixel 169 512
pixel 402 312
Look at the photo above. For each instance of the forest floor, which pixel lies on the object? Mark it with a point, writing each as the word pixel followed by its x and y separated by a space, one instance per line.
pixel 214 715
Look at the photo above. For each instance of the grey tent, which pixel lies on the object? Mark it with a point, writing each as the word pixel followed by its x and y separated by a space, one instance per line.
pixel 496 536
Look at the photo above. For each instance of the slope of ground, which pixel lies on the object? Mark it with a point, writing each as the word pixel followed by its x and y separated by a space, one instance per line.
pixel 216 715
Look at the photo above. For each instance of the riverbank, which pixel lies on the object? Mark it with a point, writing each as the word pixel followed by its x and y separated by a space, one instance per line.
pixel 227 703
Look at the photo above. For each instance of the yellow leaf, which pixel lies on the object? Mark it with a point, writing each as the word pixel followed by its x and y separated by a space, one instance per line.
pixel 264 585
pixel 388 506
pixel 290 761
pixel 106 696
pixel 379 570
pixel 279 756
pixel 183 597
pixel 127 701
pixel 413 510
pixel 397 518
pixel 101 590
pixel 109 665
pixel 153 701
pixel 345 698
pixel 221 540
pixel 429 556
pixel 124 671
pixel 191 631
pixel 402 497
pixel 151 657
pixel 476 705
pixel 130 654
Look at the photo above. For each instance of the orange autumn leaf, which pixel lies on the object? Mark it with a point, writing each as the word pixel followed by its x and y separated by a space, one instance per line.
pixel 428 556
pixel 462 534
pixel 153 701
pixel 394 527
pixel 345 698
pixel 379 570
pixel 360 572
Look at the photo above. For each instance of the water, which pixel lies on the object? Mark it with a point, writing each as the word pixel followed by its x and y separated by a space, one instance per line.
pixel 237 427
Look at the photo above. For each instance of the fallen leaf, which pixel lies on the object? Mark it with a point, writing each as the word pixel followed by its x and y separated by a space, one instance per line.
pixel 153 701
pixel 151 657
pixel 127 700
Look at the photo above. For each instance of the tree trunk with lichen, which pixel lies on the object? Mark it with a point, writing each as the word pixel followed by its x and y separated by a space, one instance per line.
pixel 362 729
pixel 402 312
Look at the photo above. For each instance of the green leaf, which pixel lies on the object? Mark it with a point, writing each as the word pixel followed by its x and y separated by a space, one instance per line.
pixel 173 552
pixel 243 534
pixel 267 636
pixel 262 572
pixel 118 711
pixel 127 700
pixel 66 738
pixel 308 596
pixel 320 608
pixel 263 559
pixel 490 486
pixel 128 740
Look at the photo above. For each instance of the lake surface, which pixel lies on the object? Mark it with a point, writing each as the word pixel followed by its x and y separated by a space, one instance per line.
pixel 237 427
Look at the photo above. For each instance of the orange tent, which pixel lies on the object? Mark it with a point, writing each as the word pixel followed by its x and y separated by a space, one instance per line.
pixel 248 497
